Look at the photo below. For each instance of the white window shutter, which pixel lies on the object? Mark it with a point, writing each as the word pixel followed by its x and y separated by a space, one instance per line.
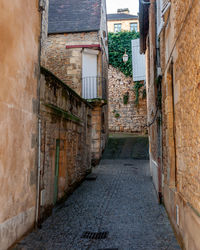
pixel 138 62
pixel 165 5
pixel 160 21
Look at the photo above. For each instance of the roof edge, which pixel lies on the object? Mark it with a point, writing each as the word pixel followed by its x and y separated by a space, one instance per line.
pixel 71 32
pixel 144 24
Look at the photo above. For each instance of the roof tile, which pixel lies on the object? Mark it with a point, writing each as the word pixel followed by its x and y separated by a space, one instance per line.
pixel 74 16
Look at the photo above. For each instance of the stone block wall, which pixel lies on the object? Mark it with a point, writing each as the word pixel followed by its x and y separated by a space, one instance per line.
pixel 129 117
pixel 67 63
pixel 180 63
pixel 66 117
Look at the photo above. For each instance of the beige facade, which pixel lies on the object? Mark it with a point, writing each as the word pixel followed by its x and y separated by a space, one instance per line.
pixel 179 158
pixel 125 24
pixel 19 75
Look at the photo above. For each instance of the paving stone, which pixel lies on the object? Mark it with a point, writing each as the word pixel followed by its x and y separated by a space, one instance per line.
pixel 120 201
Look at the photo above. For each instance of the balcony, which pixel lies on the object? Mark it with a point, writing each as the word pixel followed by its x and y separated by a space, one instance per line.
pixel 94 87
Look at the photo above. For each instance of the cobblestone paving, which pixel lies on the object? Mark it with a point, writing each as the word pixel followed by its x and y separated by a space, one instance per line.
pixel 120 201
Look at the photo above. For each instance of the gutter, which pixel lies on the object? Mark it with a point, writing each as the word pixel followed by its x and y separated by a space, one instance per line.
pixel 38 175
pixel 84 46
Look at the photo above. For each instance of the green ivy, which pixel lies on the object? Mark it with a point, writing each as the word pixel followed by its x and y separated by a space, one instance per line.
pixel 126 98
pixel 144 93
pixel 118 43
pixel 136 88
pixel 117 115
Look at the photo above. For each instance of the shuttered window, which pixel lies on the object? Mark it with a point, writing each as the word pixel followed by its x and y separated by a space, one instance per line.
pixel 160 21
pixel 165 5
pixel 138 62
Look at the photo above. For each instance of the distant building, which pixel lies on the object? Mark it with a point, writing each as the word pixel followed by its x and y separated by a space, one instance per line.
pixel 122 21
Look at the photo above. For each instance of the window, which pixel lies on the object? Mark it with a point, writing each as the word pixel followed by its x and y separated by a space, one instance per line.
pixel 117 27
pixel 134 27
pixel 165 5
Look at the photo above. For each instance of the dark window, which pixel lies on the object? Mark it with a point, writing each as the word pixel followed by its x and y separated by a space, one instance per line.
pixel 117 27
pixel 134 27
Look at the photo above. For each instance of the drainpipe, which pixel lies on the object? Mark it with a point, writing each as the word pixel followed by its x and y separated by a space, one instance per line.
pixel 38 172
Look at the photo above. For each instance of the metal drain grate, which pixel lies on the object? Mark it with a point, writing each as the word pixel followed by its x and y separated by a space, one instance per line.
pixel 108 249
pixel 95 236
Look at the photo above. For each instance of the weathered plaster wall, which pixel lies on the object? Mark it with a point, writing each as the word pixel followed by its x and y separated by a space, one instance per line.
pixel 125 24
pixel 181 100
pixel 19 50
pixel 67 63
pixel 132 119
pixel 65 117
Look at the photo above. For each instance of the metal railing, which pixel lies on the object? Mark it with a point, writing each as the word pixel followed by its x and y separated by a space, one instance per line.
pixel 94 87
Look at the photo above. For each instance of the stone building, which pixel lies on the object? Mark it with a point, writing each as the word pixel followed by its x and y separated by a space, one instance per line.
pixel 19 77
pixel 65 143
pixel 170 36
pixel 76 51
pixel 122 21
pixel 126 114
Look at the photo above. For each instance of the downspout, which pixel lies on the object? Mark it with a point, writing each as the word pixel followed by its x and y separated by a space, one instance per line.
pixel 40 9
pixel 159 130
pixel 38 172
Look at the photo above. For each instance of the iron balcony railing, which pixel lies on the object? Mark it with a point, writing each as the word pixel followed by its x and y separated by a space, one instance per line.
pixel 94 87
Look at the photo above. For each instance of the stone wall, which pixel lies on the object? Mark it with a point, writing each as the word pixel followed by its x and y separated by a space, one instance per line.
pixel 178 152
pixel 65 119
pixel 67 63
pixel 128 117
pixel 180 55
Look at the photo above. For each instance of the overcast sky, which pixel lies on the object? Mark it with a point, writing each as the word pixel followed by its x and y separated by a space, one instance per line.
pixel 113 5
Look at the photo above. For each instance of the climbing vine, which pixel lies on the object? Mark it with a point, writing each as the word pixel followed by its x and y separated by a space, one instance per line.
pixel 118 43
pixel 136 88
pixel 126 98
pixel 116 114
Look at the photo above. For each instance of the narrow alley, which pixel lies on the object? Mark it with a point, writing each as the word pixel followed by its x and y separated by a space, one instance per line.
pixel 117 201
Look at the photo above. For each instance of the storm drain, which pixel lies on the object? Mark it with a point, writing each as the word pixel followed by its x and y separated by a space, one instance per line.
pixel 95 236
pixel 108 249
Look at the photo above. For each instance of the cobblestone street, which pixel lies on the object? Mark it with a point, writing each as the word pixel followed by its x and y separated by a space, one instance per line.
pixel 120 201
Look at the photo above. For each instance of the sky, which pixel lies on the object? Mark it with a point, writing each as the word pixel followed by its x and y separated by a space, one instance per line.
pixel 113 5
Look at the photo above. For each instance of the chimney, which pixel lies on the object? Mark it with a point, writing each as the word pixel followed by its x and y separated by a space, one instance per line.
pixel 123 11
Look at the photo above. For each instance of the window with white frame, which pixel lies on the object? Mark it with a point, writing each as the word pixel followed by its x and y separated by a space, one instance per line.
pixel 117 27
pixel 134 27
